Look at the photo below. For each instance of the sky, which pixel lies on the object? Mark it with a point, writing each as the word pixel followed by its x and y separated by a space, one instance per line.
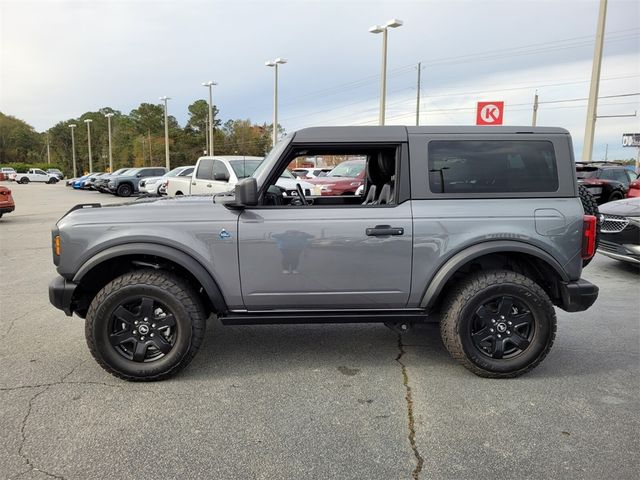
pixel 59 59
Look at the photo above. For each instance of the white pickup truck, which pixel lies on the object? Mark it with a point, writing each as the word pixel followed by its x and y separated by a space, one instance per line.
pixel 219 174
pixel 35 175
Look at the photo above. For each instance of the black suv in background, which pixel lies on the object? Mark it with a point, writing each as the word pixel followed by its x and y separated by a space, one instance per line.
pixel 125 184
pixel 606 181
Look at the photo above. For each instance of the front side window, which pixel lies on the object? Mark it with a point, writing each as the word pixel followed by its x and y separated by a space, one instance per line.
pixel 244 168
pixel 205 169
pixel 492 166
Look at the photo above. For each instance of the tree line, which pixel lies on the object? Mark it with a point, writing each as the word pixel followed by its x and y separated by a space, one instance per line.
pixel 137 139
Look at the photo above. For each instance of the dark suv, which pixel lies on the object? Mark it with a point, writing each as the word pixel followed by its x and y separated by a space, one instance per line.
pixel 128 183
pixel 606 181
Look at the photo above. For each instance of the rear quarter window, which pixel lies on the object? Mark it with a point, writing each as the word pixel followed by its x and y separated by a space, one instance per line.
pixel 491 166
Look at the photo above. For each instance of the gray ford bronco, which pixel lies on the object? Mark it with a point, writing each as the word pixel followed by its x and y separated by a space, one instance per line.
pixel 479 228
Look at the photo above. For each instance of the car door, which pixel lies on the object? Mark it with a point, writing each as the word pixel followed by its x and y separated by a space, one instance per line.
pixel 326 257
pixel 40 175
pixel 223 180
pixel 201 181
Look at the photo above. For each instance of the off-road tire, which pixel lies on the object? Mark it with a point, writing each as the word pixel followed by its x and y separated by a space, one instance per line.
pixel 124 190
pixel 458 311
pixel 590 207
pixel 168 289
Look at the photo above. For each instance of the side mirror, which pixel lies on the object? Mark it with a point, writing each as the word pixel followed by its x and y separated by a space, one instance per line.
pixel 221 176
pixel 247 192
pixel 139 175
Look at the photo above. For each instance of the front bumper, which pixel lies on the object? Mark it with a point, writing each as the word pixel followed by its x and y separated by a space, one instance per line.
pixel 61 294
pixel 578 296
pixel 7 208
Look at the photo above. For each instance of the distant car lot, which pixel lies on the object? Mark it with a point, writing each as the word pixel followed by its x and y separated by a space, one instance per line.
pixel 315 401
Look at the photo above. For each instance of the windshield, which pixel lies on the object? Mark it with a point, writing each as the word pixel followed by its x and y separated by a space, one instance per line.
pixel 133 172
pixel 176 172
pixel 287 174
pixel 347 169
pixel 120 171
pixel 262 171
pixel 245 168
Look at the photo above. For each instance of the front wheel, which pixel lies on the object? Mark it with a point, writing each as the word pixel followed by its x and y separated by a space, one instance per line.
pixel 51 181
pixel 24 180
pixel 145 325
pixel 124 190
pixel 498 324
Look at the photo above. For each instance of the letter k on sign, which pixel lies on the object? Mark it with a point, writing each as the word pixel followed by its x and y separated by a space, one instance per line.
pixel 489 113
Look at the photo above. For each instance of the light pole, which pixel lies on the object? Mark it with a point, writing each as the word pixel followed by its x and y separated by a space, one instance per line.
pixel 393 23
pixel 275 63
pixel 109 115
pixel 166 131
pixel 88 122
pixel 73 149
pixel 210 84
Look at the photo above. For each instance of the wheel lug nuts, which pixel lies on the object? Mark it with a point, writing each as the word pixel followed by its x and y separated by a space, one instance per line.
pixel 493 320
pixel 501 317
pixel 153 325
pixel 135 332
pixel 508 332
pixel 151 335
pixel 136 322
pixel 499 336
pixel 141 338
pixel 491 330
pixel 146 319
pixel 510 322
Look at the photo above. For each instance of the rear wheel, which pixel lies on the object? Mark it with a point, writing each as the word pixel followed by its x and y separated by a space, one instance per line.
pixel 24 180
pixel 145 325
pixel 616 196
pixel 498 324
pixel 52 181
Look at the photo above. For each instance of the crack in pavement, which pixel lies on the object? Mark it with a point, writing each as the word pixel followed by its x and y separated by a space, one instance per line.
pixel 23 435
pixel 415 475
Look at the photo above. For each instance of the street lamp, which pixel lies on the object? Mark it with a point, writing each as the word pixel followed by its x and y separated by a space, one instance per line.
pixel 109 115
pixel 210 84
pixel 166 131
pixel 393 23
pixel 73 148
pixel 88 122
pixel 275 63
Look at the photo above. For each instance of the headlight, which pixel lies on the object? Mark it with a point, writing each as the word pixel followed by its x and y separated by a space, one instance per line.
pixel 112 184
pixel 634 221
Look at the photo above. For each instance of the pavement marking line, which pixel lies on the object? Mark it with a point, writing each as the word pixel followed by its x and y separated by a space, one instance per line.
pixel 415 475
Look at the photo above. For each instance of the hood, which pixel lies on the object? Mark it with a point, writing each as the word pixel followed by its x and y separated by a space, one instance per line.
pixel 149 210
pixel 629 207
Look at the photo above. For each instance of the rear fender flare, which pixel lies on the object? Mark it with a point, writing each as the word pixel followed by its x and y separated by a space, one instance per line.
pixel 452 265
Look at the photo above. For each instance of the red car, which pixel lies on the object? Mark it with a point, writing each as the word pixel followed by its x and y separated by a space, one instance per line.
pixel 344 179
pixel 6 201
pixel 634 189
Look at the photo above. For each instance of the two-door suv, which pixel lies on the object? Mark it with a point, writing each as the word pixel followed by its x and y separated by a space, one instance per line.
pixel 479 228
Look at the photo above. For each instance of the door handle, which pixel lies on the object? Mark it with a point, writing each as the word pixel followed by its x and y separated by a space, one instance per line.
pixel 193 183
pixel 209 185
pixel 384 230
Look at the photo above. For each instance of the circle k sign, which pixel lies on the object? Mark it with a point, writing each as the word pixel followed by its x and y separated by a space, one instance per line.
pixel 489 113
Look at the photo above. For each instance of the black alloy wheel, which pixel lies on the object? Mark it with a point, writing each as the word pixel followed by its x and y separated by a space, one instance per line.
pixel 503 327
pixel 142 329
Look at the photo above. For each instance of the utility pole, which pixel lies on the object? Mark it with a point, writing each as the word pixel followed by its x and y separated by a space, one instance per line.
pixel 143 160
pixel 393 23
pixel 592 107
pixel 534 119
pixel 418 96
pixel 206 134
pixel 109 115
pixel 210 84
pixel 166 132
pixel 88 122
pixel 606 152
pixel 73 149
pixel 150 149
pixel 48 150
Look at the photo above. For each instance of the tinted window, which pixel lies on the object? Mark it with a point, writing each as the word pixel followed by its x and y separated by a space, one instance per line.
pixel 492 166
pixel 244 168
pixel 205 169
pixel 219 167
pixel 186 171
pixel 607 174
pixel 620 175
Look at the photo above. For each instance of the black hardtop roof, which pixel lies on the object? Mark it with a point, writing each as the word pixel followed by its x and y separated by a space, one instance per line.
pixel 396 133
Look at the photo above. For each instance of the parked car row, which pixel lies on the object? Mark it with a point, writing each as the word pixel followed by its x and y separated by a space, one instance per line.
pixel 608 181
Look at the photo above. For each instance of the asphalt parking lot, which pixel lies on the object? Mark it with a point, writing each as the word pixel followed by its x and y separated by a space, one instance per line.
pixel 321 401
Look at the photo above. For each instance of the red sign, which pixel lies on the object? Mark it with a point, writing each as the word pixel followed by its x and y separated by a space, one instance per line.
pixel 489 113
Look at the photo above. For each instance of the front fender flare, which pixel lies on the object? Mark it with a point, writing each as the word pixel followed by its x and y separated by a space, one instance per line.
pixel 452 265
pixel 174 255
